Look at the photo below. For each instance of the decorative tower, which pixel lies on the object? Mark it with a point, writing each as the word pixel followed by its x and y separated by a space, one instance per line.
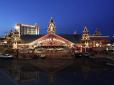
pixel 97 32
pixel 51 27
pixel 85 37
pixel 16 39
pixel 98 41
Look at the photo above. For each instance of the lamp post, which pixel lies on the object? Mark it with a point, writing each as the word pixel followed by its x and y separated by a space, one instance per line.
pixel 17 53
pixel 85 48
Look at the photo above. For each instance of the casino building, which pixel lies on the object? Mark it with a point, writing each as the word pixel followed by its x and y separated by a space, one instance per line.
pixel 48 44
pixel 53 41
pixel 25 29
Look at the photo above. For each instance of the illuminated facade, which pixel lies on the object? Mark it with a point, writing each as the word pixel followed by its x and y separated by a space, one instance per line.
pixel 25 29
pixel 50 39
pixel 95 40
pixel 53 40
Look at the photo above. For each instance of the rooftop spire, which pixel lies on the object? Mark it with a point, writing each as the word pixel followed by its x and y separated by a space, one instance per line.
pixel 85 30
pixel 51 26
pixel 85 35
pixel 51 20
pixel 97 32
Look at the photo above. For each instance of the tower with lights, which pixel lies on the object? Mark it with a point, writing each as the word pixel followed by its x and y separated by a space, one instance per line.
pixel 51 27
pixel 85 37
pixel 97 32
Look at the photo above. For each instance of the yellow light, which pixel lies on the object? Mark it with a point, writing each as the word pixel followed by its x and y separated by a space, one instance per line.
pixel 97 44
pixel 17 27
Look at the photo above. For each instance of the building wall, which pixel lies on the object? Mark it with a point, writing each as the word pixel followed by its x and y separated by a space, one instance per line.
pixel 25 29
pixel 99 41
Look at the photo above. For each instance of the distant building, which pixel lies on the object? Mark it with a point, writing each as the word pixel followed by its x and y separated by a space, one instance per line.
pixel 25 29
pixel 95 40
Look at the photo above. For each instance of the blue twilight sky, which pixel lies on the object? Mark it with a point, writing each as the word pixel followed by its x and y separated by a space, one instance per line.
pixel 69 15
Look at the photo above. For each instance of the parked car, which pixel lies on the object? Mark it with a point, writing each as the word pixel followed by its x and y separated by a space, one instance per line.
pixel 6 56
pixel 78 54
pixel 86 54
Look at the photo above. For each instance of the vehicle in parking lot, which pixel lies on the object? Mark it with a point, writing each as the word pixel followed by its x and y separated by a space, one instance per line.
pixel 6 56
pixel 86 54
pixel 78 54
pixel 42 56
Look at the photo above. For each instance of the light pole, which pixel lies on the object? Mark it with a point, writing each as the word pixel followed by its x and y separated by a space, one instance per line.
pixel 85 49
